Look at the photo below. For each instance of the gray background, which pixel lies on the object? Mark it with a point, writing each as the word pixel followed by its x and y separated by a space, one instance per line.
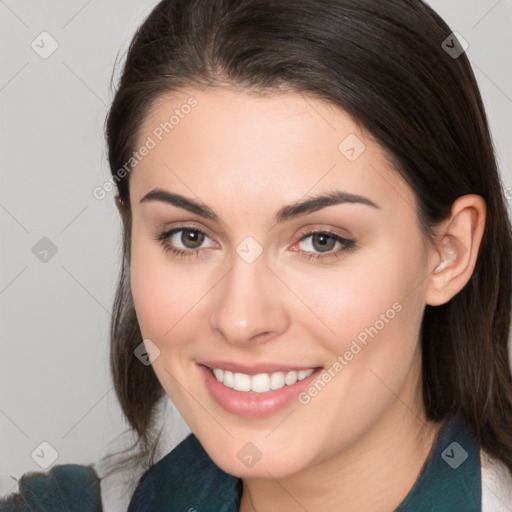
pixel 55 314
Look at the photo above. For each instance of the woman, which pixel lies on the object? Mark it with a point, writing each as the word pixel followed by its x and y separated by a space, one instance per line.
pixel 316 263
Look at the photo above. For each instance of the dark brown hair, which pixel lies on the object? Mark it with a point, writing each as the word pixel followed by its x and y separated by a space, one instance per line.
pixel 384 64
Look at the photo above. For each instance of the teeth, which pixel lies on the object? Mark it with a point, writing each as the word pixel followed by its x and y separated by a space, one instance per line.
pixel 228 379
pixel 260 383
pixel 291 378
pixel 303 374
pixel 242 382
pixel 277 380
pixel 219 374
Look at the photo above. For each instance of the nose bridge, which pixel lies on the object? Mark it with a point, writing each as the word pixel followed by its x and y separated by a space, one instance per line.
pixel 248 303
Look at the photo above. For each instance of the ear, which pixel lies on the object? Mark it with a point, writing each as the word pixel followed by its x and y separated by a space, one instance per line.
pixel 456 249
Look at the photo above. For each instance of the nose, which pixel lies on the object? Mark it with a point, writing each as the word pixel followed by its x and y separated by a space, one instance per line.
pixel 249 305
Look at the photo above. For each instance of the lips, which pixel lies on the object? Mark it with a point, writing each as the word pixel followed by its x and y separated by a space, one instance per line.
pixel 258 390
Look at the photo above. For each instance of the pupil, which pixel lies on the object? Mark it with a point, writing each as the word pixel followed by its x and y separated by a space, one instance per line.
pixel 325 242
pixel 191 238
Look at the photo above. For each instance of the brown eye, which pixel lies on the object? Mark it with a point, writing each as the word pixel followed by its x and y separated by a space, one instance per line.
pixel 185 241
pixel 323 242
pixel 192 238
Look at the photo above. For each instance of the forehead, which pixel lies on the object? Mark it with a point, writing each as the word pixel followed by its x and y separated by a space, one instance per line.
pixel 233 144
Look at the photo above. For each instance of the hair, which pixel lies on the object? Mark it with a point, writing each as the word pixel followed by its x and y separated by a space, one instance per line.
pixel 384 64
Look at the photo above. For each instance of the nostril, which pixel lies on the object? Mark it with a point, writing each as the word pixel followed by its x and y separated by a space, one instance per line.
pixel 261 336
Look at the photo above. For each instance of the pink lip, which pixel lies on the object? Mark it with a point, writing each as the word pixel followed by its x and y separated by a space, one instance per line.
pixel 251 404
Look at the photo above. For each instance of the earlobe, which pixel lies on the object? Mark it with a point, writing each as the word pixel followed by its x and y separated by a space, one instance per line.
pixel 457 250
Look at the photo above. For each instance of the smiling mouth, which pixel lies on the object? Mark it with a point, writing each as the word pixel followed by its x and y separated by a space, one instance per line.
pixel 261 382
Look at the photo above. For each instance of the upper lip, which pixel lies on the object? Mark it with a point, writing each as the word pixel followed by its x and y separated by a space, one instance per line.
pixel 254 369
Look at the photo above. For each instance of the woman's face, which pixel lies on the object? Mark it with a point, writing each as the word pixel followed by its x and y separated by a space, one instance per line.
pixel 315 304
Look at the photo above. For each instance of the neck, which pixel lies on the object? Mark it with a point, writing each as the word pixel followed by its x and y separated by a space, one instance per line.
pixel 376 473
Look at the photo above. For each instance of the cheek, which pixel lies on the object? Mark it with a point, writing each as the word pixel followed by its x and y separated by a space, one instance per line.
pixel 375 307
pixel 163 293
pixel 375 310
pixel 374 294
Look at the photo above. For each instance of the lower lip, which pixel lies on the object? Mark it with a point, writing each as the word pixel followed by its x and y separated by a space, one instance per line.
pixel 251 404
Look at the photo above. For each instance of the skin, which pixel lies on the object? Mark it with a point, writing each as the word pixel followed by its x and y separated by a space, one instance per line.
pixel 363 439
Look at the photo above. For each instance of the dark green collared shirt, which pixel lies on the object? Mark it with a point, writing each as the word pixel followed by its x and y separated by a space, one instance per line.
pixel 187 480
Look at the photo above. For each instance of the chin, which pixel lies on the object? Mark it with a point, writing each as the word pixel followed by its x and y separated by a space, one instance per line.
pixel 274 465
pixel 251 455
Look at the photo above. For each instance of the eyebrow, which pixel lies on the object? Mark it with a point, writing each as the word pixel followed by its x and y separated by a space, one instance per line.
pixel 286 213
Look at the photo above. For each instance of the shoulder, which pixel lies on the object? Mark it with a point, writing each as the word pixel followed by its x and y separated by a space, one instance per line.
pixel 66 487
pixel 122 463
pixel 496 484
pixel 186 475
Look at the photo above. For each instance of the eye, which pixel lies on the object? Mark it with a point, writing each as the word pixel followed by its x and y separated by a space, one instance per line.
pixel 323 244
pixel 184 241
pixel 188 241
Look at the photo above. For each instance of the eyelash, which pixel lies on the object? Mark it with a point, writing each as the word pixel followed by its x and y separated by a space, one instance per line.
pixel 348 245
